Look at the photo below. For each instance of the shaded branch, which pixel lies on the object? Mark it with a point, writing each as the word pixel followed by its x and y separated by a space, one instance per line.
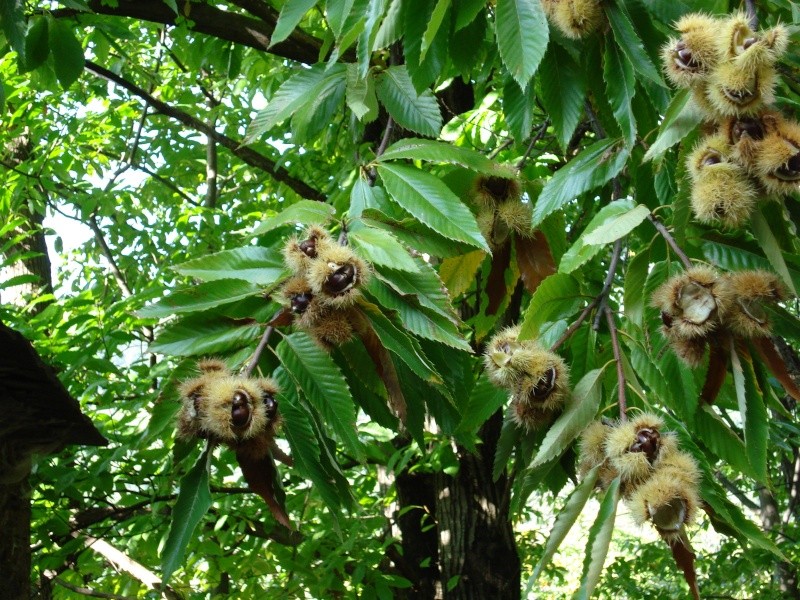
pixel 246 154
pixel 83 591
pixel 621 400
pixel 670 240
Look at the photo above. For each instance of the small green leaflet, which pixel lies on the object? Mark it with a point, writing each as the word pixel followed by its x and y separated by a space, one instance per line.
pixel 305 212
pixel 769 244
pixel 360 95
pixel 599 541
pixel 291 15
pixel 753 413
pixel 557 295
pixel 484 400
pixel 680 119
pixel 436 151
pixel 630 43
pixel 579 411
pixel 435 22
pixel 432 202
pixel 255 264
pixel 194 500
pixel 380 247
pixel 564 522
pixel 594 166
pixel 416 112
pixel 618 227
pixel 522 36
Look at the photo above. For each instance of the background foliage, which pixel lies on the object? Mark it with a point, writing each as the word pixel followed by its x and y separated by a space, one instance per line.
pixel 171 148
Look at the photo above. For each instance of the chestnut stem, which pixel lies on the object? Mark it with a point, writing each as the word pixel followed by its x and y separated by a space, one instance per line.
pixel 621 400
pixel 539 134
pixel 262 344
pixel 752 17
pixel 612 270
pixel 670 240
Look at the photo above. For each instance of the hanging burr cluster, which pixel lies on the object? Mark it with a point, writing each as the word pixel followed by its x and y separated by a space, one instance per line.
pixel 753 150
pixel 325 286
pixel 702 306
pixel 574 18
pixel 537 378
pixel 500 208
pixel 240 412
pixel 658 481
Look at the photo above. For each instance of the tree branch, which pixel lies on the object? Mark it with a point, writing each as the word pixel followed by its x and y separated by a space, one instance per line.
pixel 246 154
pixel 89 592
pixel 621 400
pixel 209 20
pixel 670 240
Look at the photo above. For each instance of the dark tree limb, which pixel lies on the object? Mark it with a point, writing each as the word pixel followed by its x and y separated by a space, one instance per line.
pixel 246 154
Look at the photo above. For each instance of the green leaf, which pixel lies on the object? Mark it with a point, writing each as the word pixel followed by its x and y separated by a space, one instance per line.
pixel 291 15
pixel 753 413
pixel 324 385
pixel 411 232
pixel 406 348
pixel 194 500
pixel 424 285
pixel 618 227
pixel 433 26
pixel 510 434
pixel 722 440
pixel 582 251
pixel 67 52
pixel 563 92
pixel 766 239
pixel 360 95
pixel 432 202
pixel 631 45
pixel 599 541
pixel 12 18
pixel 564 522
pixel 305 212
pixel 255 264
pixel 436 151
pixel 197 335
pixel 579 410
pixel 518 109
pixel 620 88
pixel 680 120
pixel 734 258
pixel 458 272
pixel 416 112
pixel 635 277
pixel 595 165
pixel 380 247
pixel 557 296
pixel 522 36
pixel 200 297
pixel 37 44
pixel 484 400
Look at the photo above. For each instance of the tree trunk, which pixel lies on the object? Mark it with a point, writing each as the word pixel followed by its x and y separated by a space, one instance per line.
pixel 478 555
pixel 15 550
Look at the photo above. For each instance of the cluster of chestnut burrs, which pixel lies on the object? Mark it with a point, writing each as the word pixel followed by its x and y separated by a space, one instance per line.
pixel 500 208
pixel 574 18
pixel 537 378
pixel 658 482
pixel 325 286
pixel 753 151
pixel 702 306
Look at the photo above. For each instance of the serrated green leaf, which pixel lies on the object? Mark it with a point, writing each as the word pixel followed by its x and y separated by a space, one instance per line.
pixel 290 16
pixel 360 95
pixel 564 521
pixel 680 119
pixel 522 36
pixel 557 296
pixel 68 58
pixel 406 348
pixel 466 11
pixel 753 413
pixel 458 272
pixel 424 285
pixel 734 258
pixel 631 45
pixel 436 151
pixel 37 44
pixel 263 266
pixel 595 165
pixel 316 113
pixel 721 440
pixel 197 335
pixel 12 19
pixel 433 26
pixel 620 88
pixel 618 227
pixel 380 247
pixel 428 199
pixel 305 212
pixel 324 385
pixel 579 410
pixel 200 297
pixel 582 251
pixel 635 277
pixel 769 244
pixel 484 400
pixel 675 372
pixel 563 92
pixel 599 541
pixel 518 109
pixel 194 500
pixel 416 112
pixel 510 434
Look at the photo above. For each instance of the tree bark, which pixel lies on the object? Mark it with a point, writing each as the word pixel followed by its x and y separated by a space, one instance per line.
pixel 15 551
pixel 478 555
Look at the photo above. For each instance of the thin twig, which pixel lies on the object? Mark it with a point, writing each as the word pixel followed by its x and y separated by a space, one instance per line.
pixel 387 136
pixel 259 349
pixel 670 240
pixel 612 271
pixel 539 134
pixel 578 322
pixel 621 400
